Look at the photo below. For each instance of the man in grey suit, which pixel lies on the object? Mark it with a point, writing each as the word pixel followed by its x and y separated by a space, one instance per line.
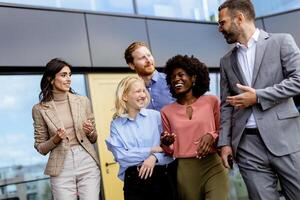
pixel 260 125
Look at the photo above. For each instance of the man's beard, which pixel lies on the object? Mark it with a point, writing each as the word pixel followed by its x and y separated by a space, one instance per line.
pixel 231 35
pixel 148 71
pixel 230 38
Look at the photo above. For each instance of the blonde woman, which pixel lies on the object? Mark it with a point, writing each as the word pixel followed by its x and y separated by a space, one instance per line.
pixel 135 143
pixel 64 127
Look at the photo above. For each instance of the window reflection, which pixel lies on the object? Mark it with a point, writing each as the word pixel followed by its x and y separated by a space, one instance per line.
pixel 118 6
pixel 205 10
pixel 202 10
pixel 19 161
pixel 263 8
pixel 214 83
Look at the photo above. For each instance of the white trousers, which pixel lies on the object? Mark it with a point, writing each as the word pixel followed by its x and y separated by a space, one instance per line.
pixel 80 177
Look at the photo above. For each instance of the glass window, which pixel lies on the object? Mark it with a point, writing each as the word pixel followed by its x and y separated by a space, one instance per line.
pixel 205 10
pixel 48 3
pixel 214 83
pixel 123 6
pixel 118 6
pixel 19 160
pixel 263 8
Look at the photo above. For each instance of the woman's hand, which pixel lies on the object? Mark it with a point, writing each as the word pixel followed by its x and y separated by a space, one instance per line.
pixel 156 149
pixel 205 144
pixel 167 138
pixel 88 127
pixel 147 167
pixel 59 136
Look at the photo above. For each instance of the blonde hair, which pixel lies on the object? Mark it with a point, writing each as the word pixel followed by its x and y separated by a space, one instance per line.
pixel 123 89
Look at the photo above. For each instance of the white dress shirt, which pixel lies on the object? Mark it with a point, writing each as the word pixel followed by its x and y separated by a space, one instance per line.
pixel 246 58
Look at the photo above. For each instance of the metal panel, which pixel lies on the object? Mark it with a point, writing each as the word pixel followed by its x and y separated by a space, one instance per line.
pixel 169 38
pixel 31 37
pixel 109 37
pixel 259 24
pixel 285 23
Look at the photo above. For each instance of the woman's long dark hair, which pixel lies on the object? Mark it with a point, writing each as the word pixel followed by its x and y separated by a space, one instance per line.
pixel 52 68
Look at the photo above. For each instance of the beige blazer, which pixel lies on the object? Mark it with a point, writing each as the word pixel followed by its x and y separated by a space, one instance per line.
pixel 46 123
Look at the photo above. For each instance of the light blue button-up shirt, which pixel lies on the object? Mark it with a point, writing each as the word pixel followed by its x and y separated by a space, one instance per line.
pixel 159 92
pixel 131 140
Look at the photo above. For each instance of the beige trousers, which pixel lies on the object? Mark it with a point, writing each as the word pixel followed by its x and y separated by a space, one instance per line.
pixel 80 177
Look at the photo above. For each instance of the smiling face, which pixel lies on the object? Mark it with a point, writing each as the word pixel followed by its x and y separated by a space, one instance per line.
pixel 136 97
pixel 143 61
pixel 228 26
pixel 62 80
pixel 181 82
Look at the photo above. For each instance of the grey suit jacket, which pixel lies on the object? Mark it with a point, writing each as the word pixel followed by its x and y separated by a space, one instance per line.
pixel 276 78
pixel 46 123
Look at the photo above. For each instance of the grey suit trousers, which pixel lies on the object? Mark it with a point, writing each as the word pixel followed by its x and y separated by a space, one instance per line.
pixel 80 177
pixel 261 170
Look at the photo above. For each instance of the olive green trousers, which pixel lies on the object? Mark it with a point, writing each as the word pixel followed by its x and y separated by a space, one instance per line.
pixel 202 179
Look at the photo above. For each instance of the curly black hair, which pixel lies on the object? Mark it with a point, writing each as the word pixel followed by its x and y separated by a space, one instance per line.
pixel 193 67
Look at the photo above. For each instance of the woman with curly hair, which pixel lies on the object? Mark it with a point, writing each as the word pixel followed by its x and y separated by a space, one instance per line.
pixel 194 120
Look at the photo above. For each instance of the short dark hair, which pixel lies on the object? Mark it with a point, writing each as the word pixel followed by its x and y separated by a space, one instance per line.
pixel 193 67
pixel 131 48
pixel 52 68
pixel 244 6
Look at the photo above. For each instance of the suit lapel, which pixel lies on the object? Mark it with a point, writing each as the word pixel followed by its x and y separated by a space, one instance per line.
pixel 259 54
pixel 52 115
pixel 236 67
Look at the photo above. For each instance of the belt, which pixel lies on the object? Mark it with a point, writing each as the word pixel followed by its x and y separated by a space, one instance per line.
pixel 251 131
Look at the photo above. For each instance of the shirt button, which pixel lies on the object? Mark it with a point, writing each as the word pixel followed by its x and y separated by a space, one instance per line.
pixel 152 100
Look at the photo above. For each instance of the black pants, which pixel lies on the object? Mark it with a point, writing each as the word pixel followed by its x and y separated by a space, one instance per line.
pixel 160 186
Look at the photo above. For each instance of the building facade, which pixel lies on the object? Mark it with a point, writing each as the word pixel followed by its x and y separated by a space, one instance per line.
pixel 93 42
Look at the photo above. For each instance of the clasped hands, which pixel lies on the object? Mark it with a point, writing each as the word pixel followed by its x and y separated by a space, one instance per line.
pixel 245 99
pixel 87 126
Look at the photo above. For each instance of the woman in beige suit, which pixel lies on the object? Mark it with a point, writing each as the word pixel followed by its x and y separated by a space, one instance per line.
pixel 64 126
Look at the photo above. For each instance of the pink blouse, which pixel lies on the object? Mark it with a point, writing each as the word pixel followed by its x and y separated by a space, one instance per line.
pixel 205 119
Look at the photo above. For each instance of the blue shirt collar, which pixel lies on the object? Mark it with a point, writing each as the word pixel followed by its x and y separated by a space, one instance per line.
pixel 155 76
pixel 125 118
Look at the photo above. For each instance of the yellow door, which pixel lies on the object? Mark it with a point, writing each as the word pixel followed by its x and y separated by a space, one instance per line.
pixel 102 89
